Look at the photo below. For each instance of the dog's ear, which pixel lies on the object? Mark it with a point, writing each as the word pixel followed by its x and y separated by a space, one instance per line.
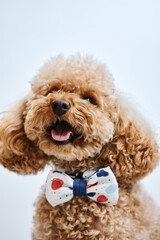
pixel 133 151
pixel 17 152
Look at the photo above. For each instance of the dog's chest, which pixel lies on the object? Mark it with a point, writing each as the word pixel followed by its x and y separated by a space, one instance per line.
pixel 82 218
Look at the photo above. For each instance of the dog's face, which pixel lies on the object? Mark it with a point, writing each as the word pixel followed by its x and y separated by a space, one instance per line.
pixel 75 119
pixel 72 110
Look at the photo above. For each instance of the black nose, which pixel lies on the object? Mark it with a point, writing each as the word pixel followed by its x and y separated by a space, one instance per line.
pixel 60 107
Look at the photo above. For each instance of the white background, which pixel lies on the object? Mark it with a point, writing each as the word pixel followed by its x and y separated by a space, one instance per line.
pixel 124 34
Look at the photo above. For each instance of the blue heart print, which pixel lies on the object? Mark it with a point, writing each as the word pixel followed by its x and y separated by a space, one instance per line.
pixel 111 189
pixel 102 173
pixel 92 194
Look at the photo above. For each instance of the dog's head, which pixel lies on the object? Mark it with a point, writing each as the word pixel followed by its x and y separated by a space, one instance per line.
pixel 72 111
pixel 75 118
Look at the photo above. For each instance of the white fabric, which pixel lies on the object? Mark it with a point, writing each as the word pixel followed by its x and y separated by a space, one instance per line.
pixel 102 186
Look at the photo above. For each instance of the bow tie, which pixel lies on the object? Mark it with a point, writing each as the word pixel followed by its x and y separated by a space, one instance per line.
pixel 100 186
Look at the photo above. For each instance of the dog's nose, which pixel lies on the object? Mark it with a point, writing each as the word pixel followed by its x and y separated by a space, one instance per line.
pixel 60 107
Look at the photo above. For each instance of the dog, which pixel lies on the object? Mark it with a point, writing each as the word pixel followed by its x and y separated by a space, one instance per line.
pixel 75 119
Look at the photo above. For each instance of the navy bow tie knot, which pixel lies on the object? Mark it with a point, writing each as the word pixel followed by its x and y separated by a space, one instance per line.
pixel 79 187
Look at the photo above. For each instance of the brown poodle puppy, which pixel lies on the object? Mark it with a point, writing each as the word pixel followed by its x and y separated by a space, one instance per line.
pixel 103 130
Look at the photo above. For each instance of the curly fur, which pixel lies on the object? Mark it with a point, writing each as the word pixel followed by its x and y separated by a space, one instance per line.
pixel 110 133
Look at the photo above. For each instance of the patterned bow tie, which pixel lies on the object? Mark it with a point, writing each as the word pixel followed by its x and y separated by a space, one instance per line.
pixel 101 186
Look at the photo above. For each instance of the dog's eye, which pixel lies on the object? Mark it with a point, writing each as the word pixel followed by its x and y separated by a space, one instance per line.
pixel 89 99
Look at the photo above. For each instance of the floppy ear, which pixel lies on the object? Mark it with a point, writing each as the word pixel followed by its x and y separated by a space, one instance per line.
pixel 133 151
pixel 17 152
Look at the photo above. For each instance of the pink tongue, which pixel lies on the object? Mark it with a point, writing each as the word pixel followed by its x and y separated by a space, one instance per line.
pixel 61 135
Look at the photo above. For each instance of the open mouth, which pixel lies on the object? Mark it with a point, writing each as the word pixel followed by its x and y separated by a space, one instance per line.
pixel 62 133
